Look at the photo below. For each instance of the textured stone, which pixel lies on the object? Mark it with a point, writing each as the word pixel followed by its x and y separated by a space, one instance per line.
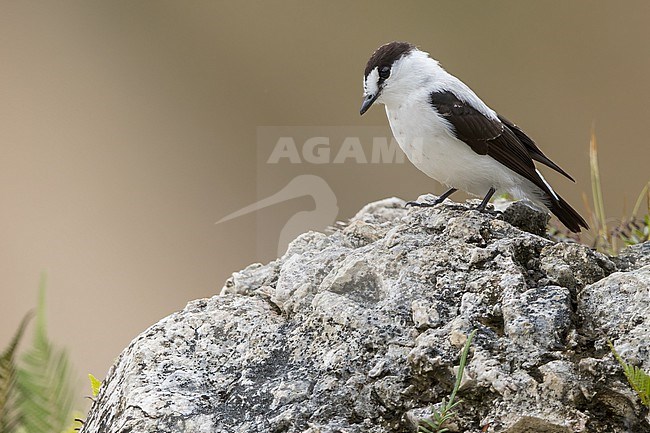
pixel 618 309
pixel 524 215
pixel 360 330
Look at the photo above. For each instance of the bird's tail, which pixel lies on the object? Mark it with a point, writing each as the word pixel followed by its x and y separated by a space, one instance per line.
pixel 567 215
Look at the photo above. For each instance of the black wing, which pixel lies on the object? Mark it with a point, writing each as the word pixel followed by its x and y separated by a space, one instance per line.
pixel 487 136
pixel 506 143
pixel 534 151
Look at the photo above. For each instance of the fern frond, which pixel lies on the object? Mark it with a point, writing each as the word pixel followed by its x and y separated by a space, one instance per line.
pixel 46 397
pixel 639 380
pixel 9 416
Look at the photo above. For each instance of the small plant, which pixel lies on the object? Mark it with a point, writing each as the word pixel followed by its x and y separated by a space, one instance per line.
pixel 9 415
pixel 603 238
pixel 610 235
pixel 630 230
pixel 94 384
pixel 36 393
pixel 447 406
pixel 635 230
pixel 639 380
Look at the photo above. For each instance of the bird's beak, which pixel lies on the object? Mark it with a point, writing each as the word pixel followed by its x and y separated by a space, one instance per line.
pixel 367 102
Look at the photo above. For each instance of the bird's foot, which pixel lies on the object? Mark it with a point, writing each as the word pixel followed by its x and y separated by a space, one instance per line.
pixel 488 209
pixel 484 209
pixel 439 200
pixel 486 200
pixel 419 204
pixel 425 203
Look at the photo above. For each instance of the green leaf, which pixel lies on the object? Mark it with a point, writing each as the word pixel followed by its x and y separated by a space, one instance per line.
pixel 639 380
pixel 424 426
pixel 640 383
pixel 446 412
pixel 461 367
pixel 46 396
pixel 95 384
pixel 9 415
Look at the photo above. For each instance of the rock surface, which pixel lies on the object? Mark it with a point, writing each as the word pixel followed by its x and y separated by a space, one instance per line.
pixel 360 330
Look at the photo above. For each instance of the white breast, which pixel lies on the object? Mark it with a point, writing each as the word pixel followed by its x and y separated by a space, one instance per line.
pixel 429 144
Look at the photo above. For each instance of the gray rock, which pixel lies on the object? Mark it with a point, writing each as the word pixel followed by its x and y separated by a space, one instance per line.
pixel 360 330
pixel 618 309
pixel 524 215
pixel 634 257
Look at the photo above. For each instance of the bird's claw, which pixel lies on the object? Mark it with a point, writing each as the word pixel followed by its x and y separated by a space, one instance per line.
pixel 487 210
pixel 420 204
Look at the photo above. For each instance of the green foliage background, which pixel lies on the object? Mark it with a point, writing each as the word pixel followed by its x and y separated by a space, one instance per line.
pixel 37 393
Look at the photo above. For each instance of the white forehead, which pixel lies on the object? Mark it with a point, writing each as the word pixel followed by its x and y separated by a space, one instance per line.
pixel 371 83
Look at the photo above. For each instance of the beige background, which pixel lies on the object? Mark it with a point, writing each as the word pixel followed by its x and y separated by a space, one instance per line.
pixel 128 128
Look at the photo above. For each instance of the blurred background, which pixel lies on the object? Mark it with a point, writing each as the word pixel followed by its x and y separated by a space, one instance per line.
pixel 127 129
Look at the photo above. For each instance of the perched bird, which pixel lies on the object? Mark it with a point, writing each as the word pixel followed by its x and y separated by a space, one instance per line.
pixel 451 135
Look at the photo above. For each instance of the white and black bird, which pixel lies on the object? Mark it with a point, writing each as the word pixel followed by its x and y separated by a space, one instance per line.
pixel 451 135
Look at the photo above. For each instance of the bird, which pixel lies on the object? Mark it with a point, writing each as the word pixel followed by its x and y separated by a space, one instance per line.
pixel 452 136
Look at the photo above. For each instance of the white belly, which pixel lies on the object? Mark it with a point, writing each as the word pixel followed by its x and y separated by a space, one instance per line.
pixel 427 143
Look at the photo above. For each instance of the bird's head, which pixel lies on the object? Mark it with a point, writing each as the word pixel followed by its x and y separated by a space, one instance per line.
pixel 392 72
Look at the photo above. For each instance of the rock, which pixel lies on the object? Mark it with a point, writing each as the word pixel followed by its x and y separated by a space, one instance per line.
pixel 537 318
pixel 634 257
pixel 574 265
pixel 617 308
pixel 524 215
pixel 360 330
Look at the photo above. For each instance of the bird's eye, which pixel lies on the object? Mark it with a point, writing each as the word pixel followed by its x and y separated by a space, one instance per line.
pixel 384 72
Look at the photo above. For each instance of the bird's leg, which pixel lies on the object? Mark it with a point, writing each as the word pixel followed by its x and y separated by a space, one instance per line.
pixel 439 200
pixel 486 199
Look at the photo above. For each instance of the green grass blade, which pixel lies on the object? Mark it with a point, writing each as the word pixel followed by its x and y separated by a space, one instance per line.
pixel 446 411
pixel 461 368
pixel 644 194
pixel 603 241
